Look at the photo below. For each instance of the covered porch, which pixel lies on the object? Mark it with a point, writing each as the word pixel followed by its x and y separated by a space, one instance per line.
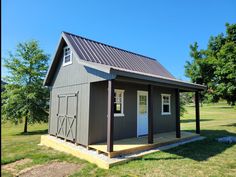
pixel 136 144
pixel 124 146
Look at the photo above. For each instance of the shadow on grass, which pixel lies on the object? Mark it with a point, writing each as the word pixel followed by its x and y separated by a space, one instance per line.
pixel 215 106
pixel 199 150
pixel 193 120
pixel 155 158
pixel 36 132
pixel 204 149
pixel 190 106
pixel 230 125
pixel 224 107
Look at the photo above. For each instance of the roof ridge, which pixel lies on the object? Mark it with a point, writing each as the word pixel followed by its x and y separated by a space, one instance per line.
pixel 150 58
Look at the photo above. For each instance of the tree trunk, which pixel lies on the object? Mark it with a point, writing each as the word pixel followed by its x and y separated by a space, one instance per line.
pixel 200 99
pixel 26 122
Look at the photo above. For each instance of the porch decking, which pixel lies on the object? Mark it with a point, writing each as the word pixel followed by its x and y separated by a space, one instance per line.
pixel 132 145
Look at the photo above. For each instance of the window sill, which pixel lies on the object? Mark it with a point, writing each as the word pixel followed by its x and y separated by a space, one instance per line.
pixel 164 114
pixel 66 64
pixel 119 115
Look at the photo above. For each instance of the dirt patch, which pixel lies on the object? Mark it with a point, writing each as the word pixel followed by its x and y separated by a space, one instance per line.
pixel 58 169
pixel 12 167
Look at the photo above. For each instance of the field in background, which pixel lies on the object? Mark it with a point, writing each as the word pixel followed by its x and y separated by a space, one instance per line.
pixel 202 158
pixel 212 115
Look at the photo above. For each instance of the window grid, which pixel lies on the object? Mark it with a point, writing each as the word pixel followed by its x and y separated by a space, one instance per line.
pixel 119 103
pixel 67 56
pixel 142 104
pixel 166 104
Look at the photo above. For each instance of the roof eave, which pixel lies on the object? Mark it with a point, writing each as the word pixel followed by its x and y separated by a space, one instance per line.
pixel 100 67
pixel 118 71
pixel 159 79
pixel 46 79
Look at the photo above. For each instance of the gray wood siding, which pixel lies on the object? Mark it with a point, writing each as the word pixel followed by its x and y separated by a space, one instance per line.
pixel 83 110
pixel 76 74
pixel 163 123
pixel 125 127
pixel 92 105
pixel 72 79
pixel 98 112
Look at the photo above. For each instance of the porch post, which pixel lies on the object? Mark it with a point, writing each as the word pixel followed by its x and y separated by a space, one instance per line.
pixel 110 115
pixel 197 112
pixel 150 114
pixel 177 109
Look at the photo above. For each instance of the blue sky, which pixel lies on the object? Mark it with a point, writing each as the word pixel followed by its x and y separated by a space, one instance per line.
pixel 159 29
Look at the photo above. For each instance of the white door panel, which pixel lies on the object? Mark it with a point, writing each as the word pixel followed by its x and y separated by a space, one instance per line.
pixel 142 113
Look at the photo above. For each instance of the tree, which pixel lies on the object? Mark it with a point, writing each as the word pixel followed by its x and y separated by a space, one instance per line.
pixel 24 96
pixel 187 97
pixel 182 104
pixel 2 85
pixel 215 66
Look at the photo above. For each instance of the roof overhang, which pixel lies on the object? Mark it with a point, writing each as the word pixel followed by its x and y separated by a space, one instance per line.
pixel 154 79
pixel 158 80
pixel 117 72
pixel 52 68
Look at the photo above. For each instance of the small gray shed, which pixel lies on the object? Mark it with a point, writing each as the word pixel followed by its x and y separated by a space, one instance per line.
pixel 101 93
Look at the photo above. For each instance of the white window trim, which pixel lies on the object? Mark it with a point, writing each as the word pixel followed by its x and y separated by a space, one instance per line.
pixel 162 103
pixel 122 103
pixel 70 62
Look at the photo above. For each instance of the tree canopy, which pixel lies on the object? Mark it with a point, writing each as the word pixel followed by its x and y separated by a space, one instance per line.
pixel 24 97
pixel 215 66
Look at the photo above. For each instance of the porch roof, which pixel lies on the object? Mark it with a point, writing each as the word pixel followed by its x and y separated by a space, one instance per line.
pixel 144 78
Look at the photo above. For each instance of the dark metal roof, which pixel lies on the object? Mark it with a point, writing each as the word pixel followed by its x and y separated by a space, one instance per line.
pixel 117 62
pixel 96 52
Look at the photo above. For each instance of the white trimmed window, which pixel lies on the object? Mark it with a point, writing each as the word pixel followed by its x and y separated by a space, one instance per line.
pixel 165 99
pixel 67 56
pixel 119 103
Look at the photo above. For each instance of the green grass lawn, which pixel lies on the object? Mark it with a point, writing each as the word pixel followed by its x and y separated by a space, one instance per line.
pixel 201 158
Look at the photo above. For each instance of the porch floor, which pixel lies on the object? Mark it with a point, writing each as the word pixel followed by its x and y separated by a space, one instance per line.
pixel 132 145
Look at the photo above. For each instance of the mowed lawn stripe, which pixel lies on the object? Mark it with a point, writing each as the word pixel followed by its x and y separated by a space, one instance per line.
pixel 202 158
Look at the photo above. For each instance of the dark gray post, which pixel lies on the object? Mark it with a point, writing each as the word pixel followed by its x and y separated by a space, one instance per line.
pixel 150 114
pixel 177 109
pixel 110 115
pixel 197 112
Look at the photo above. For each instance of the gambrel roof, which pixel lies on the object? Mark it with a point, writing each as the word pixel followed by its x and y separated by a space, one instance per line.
pixel 116 61
pixel 96 52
